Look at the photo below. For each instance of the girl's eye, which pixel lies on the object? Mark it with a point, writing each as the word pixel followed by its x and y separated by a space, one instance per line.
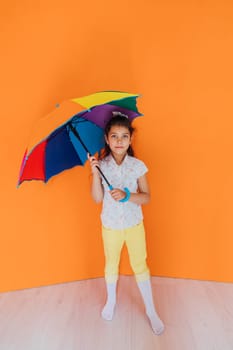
pixel 114 136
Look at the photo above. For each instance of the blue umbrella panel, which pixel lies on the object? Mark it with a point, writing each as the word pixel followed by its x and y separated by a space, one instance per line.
pixel 67 146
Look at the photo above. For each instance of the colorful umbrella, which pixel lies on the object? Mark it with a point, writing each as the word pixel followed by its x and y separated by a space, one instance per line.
pixel 63 138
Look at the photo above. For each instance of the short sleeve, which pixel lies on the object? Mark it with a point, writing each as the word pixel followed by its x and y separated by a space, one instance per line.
pixel 140 168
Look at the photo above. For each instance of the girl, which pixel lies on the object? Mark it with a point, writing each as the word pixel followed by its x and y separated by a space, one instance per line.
pixel 122 219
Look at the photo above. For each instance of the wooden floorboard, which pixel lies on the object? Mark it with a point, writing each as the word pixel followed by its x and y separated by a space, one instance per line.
pixel 198 315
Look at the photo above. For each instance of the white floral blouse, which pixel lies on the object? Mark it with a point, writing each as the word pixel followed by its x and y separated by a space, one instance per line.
pixel 117 215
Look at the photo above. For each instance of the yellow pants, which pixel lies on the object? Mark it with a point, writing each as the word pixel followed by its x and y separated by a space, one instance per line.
pixel 134 238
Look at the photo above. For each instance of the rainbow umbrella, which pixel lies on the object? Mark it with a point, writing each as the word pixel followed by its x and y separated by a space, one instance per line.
pixel 62 139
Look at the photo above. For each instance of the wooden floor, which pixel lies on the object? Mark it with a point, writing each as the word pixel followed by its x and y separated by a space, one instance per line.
pixel 197 314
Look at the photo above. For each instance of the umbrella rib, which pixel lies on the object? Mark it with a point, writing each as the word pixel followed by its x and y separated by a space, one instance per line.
pixel 78 137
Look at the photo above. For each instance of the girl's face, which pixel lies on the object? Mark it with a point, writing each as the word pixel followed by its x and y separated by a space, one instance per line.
pixel 118 140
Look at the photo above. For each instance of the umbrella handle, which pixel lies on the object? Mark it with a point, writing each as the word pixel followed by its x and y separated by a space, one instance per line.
pixel 126 198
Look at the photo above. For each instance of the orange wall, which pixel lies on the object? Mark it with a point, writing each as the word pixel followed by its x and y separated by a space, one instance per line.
pixel 178 55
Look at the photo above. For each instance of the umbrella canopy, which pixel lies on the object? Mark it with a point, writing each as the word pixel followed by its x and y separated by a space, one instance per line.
pixel 62 139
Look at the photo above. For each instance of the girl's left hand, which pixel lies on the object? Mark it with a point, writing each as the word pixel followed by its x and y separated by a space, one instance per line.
pixel 117 194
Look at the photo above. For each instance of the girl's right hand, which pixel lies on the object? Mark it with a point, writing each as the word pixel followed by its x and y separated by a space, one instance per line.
pixel 94 163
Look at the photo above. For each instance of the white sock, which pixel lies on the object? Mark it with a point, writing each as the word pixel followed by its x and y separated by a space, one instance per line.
pixel 108 310
pixel 146 292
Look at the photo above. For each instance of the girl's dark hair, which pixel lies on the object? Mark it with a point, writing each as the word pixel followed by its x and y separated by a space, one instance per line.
pixel 120 120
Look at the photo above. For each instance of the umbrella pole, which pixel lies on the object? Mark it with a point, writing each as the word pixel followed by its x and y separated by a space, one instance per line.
pixel 86 149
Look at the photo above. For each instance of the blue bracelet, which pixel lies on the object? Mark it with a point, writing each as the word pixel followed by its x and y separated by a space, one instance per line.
pixel 127 197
